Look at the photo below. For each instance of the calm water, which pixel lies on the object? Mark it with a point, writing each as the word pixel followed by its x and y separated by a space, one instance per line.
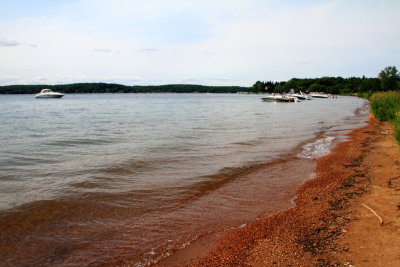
pixel 129 178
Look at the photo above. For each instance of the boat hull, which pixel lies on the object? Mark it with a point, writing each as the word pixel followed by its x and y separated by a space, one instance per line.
pixel 319 96
pixel 302 97
pixel 50 96
pixel 280 99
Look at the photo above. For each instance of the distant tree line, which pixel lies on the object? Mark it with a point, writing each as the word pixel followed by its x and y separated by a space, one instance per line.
pixel 387 80
pixel 78 88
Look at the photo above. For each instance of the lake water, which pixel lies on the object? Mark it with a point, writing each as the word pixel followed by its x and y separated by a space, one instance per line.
pixel 130 178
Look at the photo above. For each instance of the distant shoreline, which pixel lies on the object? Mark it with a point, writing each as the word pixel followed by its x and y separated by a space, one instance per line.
pixel 331 85
pixel 84 88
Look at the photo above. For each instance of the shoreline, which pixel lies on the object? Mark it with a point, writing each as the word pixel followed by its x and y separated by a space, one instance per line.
pixel 310 233
pixel 88 224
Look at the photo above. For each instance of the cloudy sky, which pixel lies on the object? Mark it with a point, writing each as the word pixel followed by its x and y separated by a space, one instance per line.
pixel 212 42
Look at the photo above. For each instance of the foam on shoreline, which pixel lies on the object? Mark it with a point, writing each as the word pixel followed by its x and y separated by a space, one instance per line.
pixel 234 244
pixel 317 148
pixel 290 236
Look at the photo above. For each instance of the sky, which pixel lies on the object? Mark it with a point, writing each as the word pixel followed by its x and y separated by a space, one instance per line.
pixel 209 42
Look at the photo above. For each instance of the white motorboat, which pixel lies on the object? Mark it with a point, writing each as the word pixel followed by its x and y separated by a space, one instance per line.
pixel 279 98
pixel 47 93
pixel 301 96
pixel 319 95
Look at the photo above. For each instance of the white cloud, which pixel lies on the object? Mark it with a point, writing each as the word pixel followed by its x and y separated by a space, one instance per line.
pixel 6 43
pixel 102 50
pixel 146 50
pixel 180 41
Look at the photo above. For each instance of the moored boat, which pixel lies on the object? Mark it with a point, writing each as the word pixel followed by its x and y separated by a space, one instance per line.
pixel 47 93
pixel 301 96
pixel 279 98
pixel 319 95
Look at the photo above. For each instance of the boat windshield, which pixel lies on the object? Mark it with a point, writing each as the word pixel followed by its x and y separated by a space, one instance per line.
pixel 46 91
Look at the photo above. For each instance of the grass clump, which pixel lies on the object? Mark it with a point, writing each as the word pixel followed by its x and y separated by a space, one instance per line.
pixel 366 95
pixel 397 128
pixel 386 107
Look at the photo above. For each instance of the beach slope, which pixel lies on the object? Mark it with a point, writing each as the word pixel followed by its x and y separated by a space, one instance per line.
pixel 336 220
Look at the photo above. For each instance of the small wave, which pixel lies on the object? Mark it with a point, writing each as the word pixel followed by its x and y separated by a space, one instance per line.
pixel 317 148
pixel 79 142
pixel 5 178
pixel 244 143
pixel 312 175
pixel 130 167
pixel 26 160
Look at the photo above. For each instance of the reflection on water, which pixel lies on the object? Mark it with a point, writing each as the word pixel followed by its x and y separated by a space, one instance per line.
pixel 129 178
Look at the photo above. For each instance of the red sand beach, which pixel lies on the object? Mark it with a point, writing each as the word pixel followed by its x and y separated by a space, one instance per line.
pixel 336 220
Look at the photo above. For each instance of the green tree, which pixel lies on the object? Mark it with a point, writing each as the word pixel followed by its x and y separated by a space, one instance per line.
pixel 269 87
pixel 389 77
pixel 258 87
pixel 315 87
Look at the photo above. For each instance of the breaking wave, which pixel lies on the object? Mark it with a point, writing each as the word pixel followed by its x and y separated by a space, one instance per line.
pixel 317 148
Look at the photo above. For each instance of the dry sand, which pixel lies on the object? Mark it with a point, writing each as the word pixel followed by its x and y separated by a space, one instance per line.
pixel 369 242
pixel 336 218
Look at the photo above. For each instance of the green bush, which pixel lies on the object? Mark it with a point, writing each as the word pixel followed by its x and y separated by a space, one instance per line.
pixel 366 95
pixel 386 107
pixel 396 125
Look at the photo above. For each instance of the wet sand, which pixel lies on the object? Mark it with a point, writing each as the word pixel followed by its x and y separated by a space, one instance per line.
pixel 329 226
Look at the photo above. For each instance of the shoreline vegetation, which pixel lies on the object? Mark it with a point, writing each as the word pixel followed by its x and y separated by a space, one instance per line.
pixel 331 85
pixel 388 79
pixel 89 88
pixel 386 107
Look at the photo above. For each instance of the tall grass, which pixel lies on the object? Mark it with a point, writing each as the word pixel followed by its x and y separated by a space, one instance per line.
pixel 397 127
pixel 386 107
pixel 366 95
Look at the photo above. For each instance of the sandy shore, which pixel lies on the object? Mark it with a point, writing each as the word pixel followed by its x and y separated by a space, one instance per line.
pixel 336 220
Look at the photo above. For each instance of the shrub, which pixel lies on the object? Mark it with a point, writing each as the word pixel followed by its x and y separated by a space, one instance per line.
pixel 386 107
pixel 396 125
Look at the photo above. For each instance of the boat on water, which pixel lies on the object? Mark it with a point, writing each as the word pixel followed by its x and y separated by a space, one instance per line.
pixel 301 96
pixel 47 93
pixel 279 98
pixel 319 95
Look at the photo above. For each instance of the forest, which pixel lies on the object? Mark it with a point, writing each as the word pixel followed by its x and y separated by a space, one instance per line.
pixel 387 80
pixel 79 88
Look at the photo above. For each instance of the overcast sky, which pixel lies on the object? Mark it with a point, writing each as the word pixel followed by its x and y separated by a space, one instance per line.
pixel 211 42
